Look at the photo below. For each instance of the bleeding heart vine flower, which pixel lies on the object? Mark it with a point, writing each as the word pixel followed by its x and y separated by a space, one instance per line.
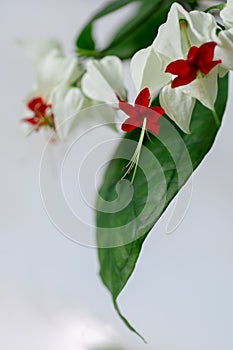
pixel 199 61
pixel 141 111
pixel 185 47
pixel 41 114
pixel 53 101
pixel 140 115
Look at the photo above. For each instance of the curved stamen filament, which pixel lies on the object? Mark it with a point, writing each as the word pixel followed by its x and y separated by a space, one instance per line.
pixel 133 163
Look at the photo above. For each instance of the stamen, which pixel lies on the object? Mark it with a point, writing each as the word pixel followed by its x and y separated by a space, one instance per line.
pixel 133 163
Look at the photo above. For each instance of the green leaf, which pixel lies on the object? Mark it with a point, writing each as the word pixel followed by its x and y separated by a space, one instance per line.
pixel 139 32
pixel 165 166
pixel 136 33
pixel 85 39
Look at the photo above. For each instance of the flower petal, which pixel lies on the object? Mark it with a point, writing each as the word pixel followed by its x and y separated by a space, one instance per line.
pixel 201 27
pixel 158 110
pixel 182 81
pixel 143 98
pixel 37 50
pixel 224 49
pixel 35 102
pixel 178 106
pixel 130 124
pixel 128 109
pixel 153 127
pixel 192 53
pixel 147 71
pixel 54 70
pixel 180 67
pixel 227 14
pixel 204 57
pixel 196 90
pixel 66 103
pixel 104 80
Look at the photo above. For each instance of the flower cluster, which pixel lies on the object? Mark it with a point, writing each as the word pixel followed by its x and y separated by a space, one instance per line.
pixel 62 85
pixel 183 64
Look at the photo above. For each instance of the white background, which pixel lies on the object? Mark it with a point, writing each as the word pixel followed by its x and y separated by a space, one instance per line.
pixel 180 296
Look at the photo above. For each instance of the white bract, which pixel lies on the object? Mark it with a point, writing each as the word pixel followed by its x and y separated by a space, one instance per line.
pixel 227 15
pixel 54 75
pixel 225 43
pixel 175 37
pixel 66 104
pixel 104 80
pixel 51 66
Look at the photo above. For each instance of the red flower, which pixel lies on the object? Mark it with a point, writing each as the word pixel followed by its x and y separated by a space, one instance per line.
pixel 42 114
pixel 140 111
pixel 198 60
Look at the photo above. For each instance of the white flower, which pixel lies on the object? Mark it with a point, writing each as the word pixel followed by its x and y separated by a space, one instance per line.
pixel 55 69
pixel 182 31
pixel 227 14
pixel 225 37
pixel 66 104
pixel 53 102
pixel 103 80
pixel 36 50
pixel 51 66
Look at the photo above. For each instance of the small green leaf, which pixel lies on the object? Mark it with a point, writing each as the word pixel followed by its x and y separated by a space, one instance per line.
pixel 85 40
pixel 166 165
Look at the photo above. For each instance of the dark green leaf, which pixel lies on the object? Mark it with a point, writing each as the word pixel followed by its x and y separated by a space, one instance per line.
pixel 121 232
pixel 85 39
pixel 136 33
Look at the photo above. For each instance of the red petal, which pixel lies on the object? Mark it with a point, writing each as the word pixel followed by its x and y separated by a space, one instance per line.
pixel 32 121
pixel 130 124
pixel 180 81
pixel 127 108
pixel 204 58
pixel 154 127
pixel 35 102
pixel 180 67
pixel 206 53
pixel 158 110
pixel 192 53
pixel 153 114
pixel 209 66
pixel 143 98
